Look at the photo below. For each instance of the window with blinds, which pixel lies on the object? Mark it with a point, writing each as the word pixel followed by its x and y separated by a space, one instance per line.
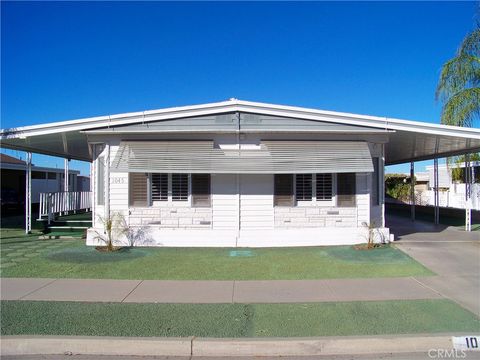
pixel 179 187
pixel 303 187
pixel 324 187
pixel 201 190
pixel 283 190
pixel 159 187
pixel 138 185
pixel 346 190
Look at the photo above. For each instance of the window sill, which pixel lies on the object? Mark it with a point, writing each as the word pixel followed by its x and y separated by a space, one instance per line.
pixel 315 204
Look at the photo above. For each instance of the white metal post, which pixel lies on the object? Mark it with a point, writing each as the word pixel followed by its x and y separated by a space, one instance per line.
pixel 66 185
pixel 468 193
pixel 28 194
pixel 435 191
pixel 412 190
pixel 65 180
pixel 382 186
pixel 107 181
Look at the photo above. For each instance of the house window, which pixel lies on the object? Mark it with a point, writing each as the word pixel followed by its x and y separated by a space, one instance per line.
pixel 159 187
pixel 155 189
pixel 179 187
pixel 303 187
pixel 324 187
pixel 52 176
pixel 138 185
pixel 201 190
pixel 283 190
pixel 346 190
pixel 38 175
pixel 310 189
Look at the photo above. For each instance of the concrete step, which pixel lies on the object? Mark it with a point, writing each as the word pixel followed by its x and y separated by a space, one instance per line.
pixel 62 235
pixel 67 228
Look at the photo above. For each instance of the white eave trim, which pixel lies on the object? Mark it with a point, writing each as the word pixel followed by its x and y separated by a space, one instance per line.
pixel 241 106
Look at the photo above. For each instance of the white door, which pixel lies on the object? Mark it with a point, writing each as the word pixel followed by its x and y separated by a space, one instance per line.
pixel 256 202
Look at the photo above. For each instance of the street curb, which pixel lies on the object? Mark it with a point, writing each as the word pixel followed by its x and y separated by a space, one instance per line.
pixel 192 346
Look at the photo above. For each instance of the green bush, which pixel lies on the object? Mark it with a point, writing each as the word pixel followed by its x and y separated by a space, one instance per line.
pixel 398 186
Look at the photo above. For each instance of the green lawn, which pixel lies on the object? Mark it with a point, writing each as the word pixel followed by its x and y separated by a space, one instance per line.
pixel 235 320
pixel 27 256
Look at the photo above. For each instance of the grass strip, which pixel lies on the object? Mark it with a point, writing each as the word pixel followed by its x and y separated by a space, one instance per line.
pixel 235 320
pixel 75 260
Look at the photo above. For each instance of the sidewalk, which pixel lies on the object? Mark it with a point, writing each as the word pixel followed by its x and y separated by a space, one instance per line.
pixel 165 291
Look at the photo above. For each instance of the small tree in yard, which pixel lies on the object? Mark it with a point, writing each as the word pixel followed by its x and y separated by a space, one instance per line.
pixel 115 226
pixel 372 231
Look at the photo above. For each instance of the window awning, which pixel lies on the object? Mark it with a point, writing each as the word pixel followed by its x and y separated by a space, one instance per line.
pixel 271 157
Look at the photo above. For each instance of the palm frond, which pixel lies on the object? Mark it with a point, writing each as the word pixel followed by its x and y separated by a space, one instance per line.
pixel 471 44
pixel 462 108
pixel 457 74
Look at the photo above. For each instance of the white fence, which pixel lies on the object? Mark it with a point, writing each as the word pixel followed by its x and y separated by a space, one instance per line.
pixel 454 196
pixel 53 203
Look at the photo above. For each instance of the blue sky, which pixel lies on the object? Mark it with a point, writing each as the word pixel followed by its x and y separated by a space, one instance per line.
pixel 77 59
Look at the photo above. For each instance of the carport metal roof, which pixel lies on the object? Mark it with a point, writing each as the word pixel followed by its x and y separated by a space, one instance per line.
pixel 408 140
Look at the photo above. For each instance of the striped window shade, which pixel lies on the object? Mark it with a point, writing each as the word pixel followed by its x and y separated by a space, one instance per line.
pixel 271 157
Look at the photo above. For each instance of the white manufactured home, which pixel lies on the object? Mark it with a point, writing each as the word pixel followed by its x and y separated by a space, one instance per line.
pixel 238 173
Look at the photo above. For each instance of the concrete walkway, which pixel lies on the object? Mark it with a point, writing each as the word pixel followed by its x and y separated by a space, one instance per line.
pixel 453 254
pixel 157 291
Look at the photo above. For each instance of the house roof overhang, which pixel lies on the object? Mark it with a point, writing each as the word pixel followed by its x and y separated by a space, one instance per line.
pixel 408 140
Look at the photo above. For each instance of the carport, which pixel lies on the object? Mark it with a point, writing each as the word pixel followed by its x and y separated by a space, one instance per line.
pixel 405 141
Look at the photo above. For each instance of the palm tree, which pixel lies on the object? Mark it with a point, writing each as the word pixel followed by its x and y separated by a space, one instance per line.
pixel 459 84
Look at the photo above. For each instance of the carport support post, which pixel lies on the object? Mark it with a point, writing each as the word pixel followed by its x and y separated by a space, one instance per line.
pixel 468 193
pixel 66 186
pixel 28 194
pixel 435 191
pixel 412 190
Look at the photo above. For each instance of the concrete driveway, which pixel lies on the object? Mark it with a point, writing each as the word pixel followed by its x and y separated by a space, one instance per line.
pixel 453 254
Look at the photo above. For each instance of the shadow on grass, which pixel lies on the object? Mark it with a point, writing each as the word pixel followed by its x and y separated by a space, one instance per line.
pixel 91 255
pixel 380 255
pixel 16 239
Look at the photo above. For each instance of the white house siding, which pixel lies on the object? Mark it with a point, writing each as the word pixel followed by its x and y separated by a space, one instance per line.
pixel 256 202
pixel 363 199
pixel 119 193
pixel 225 200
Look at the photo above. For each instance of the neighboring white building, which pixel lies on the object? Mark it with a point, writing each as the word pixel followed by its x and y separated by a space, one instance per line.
pixel 44 179
pixel 452 193
pixel 240 173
